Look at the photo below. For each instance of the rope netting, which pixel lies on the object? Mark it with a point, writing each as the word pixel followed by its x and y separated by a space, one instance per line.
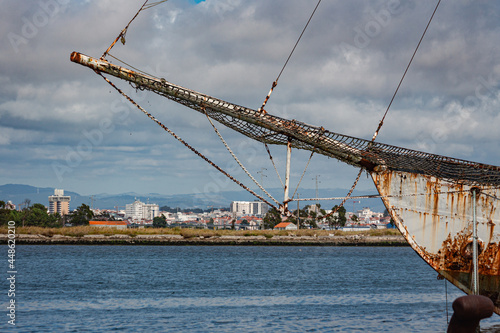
pixel 271 129
pixel 355 151
pixel 268 129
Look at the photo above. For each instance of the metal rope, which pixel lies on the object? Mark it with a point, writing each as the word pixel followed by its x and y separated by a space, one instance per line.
pixel 274 165
pixel 271 129
pixel 129 65
pixel 390 103
pixel 378 196
pixel 446 293
pixel 303 173
pixel 275 83
pixel 145 6
pixel 347 196
pixel 489 195
pixel 122 33
pixel 402 78
pixel 305 169
pixel 238 161
pixel 184 142
pixel 154 4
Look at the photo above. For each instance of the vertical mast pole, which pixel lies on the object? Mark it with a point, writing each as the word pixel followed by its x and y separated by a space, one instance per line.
pixel 287 174
pixel 475 268
pixel 298 212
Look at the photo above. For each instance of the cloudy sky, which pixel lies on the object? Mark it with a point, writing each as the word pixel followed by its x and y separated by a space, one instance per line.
pixel 62 126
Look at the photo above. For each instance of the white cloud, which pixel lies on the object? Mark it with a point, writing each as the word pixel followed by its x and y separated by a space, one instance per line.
pixel 234 50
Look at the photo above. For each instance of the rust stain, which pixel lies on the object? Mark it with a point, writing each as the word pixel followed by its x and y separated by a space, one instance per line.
pixel 453 255
pixel 424 220
pixel 75 57
pixel 491 226
pixel 435 214
pixel 452 203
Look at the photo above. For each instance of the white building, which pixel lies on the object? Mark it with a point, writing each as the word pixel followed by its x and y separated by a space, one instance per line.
pixel 59 203
pixel 241 208
pixel 314 208
pixel 366 213
pixel 141 211
pixel 356 228
pixel 182 217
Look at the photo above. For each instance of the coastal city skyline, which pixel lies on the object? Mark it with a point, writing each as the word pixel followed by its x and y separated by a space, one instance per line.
pixel 18 194
pixel 341 77
pixel 240 215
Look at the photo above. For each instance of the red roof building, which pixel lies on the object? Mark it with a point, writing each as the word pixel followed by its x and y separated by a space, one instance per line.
pixel 285 226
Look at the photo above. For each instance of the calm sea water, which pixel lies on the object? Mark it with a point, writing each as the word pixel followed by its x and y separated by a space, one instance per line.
pixel 227 289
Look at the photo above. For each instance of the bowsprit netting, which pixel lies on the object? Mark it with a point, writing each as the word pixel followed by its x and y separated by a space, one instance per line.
pixel 266 128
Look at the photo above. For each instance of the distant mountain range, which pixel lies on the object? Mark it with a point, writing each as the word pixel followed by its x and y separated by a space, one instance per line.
pixel 18 193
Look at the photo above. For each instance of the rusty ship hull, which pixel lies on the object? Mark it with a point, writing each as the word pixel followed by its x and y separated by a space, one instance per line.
pixel 436 219
pixel 428 196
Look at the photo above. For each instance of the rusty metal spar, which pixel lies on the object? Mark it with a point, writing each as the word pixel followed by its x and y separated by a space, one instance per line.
pixel 270 129
pixel 429 196
pixel 254 124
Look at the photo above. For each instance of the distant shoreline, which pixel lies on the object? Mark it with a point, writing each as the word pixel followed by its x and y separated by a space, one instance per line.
pixel 172 239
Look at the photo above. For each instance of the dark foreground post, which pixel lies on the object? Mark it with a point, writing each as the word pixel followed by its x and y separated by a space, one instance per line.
pixel 468 311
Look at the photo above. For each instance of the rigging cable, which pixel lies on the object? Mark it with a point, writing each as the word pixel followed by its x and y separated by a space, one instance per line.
pixel 407 67
pixel 373 196
pixel 440 277
pixel 184 142
pixel 347 196
pixel 275 83
pixel 123 62
pixel 303 173
pixel 307 165
pixel 390 103
pixel 154 4
pixel 238 161
pixel 121 35
pixel 446 293
pixel 489 195
pixel 274 165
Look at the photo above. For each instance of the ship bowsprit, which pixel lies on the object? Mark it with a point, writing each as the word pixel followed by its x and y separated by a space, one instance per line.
pixel 427 195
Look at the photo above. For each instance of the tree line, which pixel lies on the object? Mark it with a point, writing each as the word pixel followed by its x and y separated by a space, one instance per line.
pixel 307 218
pixel 36 215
